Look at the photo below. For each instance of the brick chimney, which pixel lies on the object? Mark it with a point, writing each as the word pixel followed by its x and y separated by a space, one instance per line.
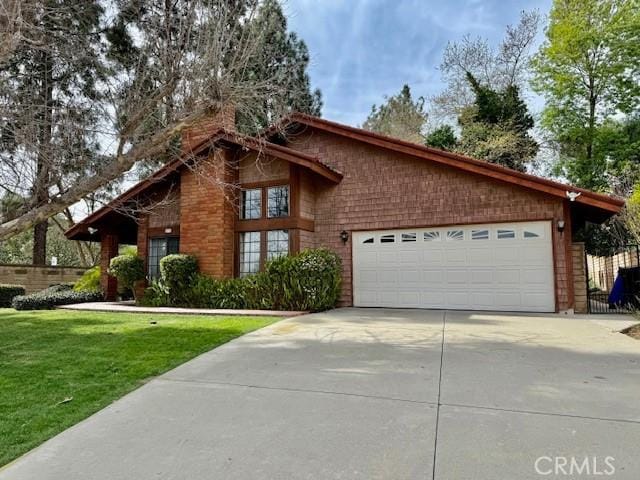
pixel 192 136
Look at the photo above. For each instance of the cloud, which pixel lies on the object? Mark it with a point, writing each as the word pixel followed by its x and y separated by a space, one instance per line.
pixel 362 50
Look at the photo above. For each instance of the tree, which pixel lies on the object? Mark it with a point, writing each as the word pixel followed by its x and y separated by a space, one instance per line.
pixel 496 127
pixel 168 66
pixel 46 86
pixel 442 137
pixel 588 69
pixel 400 116
pixel 495 68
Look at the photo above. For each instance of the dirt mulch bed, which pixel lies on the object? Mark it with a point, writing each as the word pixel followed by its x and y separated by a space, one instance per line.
pixel 633 332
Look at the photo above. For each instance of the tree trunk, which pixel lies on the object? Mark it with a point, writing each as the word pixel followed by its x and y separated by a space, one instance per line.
pixel 41 184
pixel 40 243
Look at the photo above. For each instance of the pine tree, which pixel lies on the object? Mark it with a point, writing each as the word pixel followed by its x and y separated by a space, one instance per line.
pixel 400 116
pixel 48 89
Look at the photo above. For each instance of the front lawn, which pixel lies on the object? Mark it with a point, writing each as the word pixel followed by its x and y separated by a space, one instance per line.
pixel 58 367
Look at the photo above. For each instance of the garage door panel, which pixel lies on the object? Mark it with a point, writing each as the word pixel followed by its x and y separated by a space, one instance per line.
pixel 485 267
pixel 456 277
pixel 507 276
pixel 456 255
pixel 481 277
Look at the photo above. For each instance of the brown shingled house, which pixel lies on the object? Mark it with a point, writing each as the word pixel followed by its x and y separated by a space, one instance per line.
pixel 415 226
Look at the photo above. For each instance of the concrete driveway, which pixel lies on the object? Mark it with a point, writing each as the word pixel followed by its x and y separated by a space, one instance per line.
pixel 375 394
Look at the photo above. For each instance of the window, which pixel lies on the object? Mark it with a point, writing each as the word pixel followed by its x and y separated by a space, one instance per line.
pixel 277 243
pixel 431 236
pixel 479 234
pixel 390 238
pixel 408 237
pixel 158 249
pixel 249 253
pixel 529 234
pixel 455 235
pixel 278 201
pixel 368 240
pixel 251 204
pixel 504 234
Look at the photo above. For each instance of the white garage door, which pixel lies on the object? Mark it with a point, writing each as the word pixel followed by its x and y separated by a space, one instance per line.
pixel 505 267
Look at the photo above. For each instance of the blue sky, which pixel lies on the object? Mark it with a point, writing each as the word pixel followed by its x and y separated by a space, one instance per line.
pixel 362 50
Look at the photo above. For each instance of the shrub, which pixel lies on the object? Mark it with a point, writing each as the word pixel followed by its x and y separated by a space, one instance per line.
pixel 8 292
pixel 128 269
pixel 308 281
pixel 52 297
pixel 177 273
pixel 90 281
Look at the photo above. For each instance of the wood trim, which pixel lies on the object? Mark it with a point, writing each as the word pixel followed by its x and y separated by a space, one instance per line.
pixel 160 231
pixel 568 237
pixel 262 184
pixel 294 190
pixel 472 165
pixel 294 241
pixel 284 223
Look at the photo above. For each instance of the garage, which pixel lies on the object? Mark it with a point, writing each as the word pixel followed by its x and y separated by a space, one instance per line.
pixel 501 267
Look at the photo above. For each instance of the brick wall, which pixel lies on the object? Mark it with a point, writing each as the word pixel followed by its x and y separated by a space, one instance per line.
pixel 36 278
pixel 579 277
pixel 384 190
pixel 207 215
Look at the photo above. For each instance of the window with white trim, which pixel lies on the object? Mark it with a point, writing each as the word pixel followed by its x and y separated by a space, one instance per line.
pixel 530 234
pixel 454 235
pixel 389 238
pixel 408 237
pixel 368 240
pixel 504 234
pixel 479 234
pixel 277 243
pixel 249 253
pixel 433 236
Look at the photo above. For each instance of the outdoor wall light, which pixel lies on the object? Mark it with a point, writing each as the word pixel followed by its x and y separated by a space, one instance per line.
pixel 92 230
pixel 561 226
pixel 344 236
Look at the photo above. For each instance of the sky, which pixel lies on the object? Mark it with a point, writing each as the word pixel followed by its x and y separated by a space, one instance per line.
pixel 362 50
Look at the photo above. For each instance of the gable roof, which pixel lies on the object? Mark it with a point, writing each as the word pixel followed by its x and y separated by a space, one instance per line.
pixel 600 201
pixel 252 143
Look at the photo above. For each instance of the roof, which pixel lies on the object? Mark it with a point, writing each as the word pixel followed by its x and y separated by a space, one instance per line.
pixel 253 143
pixel 600 201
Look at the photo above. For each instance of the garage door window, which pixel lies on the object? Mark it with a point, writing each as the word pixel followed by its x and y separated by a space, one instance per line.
pixel 529 234
pixel 506 234
pixel 455 235
pixel 387 238
pixel 408 237
pixel 368 240
pixel 431 236
pixel 479 234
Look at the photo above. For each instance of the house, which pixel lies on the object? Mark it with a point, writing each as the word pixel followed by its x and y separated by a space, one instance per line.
pixel 414 226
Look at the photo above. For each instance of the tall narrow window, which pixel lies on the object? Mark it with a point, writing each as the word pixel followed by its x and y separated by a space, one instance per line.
pixel 251 204
pixel 277 243
pixel 158 249
pixel 249 253
pixel 278 201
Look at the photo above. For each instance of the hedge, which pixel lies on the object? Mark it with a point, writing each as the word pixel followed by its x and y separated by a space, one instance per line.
pixel 8 292
pixel 308 281
pixel 54 296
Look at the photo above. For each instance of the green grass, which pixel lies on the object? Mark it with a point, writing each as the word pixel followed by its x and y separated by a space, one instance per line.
pixel 58 367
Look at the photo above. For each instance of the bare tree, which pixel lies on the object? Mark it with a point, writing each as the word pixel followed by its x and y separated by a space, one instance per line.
pixel 177 62
pixel 494 68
